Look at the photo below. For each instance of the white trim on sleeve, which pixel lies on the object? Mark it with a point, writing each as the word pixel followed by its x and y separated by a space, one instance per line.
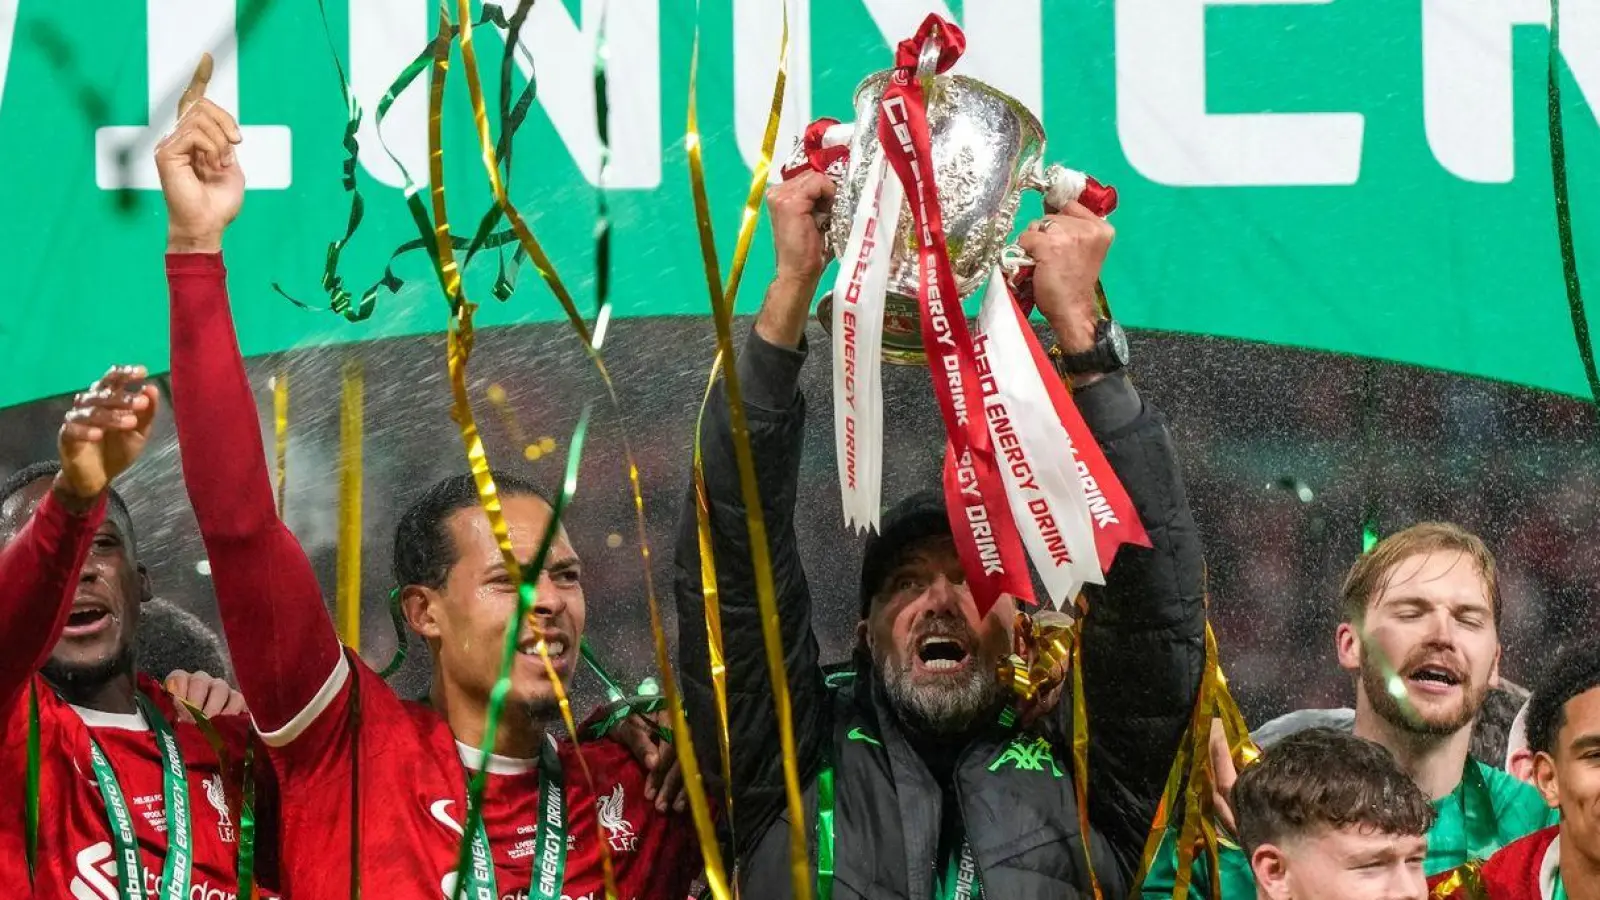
pixel 318 705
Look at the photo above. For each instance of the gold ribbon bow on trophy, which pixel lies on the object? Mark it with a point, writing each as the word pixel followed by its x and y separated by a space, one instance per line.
pixel 1043 658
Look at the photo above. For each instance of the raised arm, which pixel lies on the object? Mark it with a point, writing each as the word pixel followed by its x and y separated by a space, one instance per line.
pixel 768 371
pixel 103 434
pixel 282 641
pixel 1144 637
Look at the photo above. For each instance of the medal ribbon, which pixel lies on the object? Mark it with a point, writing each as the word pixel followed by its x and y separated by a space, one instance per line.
pixel 985 534
pixel 175 787
pixel 549 837
pixel 961 876
pixel 244 799
pixel 960 881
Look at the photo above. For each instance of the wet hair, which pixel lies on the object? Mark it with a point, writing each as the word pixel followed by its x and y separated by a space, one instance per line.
pixel 117 507
pixel 1491 730
pixel 424 549
pixel 1371 572
pixel 1322 778
pixel 1575 671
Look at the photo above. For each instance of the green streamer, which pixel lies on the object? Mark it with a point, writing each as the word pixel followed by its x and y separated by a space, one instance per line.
pixel 340 300
pixel 1369 434
pixel 602 226
pixel 614 691
pixel 31 787
pixel 247 826
pixel 526 593
pixel 402 642
pixel 645 702
pixel 1558 170
pixel 511 118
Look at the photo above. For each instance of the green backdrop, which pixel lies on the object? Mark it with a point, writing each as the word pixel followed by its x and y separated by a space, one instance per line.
pixel 1359 176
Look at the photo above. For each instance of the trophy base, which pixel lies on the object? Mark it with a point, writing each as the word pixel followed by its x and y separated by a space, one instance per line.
pixel 902 329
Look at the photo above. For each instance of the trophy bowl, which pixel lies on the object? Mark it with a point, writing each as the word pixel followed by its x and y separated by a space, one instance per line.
pixel 987 149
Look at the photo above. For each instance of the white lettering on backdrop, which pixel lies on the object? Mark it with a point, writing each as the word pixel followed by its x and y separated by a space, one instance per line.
pixel 176 33
pixel 1003 49
pixel 1160 60
pixel 1170 138
pixel 1466 77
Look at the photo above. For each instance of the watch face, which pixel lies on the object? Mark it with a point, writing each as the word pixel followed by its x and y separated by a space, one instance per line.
pixel 1118 339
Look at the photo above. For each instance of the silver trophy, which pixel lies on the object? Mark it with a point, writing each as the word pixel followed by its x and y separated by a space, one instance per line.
pixel 987 150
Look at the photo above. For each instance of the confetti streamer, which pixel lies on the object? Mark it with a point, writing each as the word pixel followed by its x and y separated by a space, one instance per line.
pixel 713 607
pixel 602 228
pixel 1190 778
pixel 526 595
pixel 722 299
pixel 241 797
pixel 402 644
pixel 340 300
pixel 1558 171
pixel 280 436
pixel 30 790
pixel 1080 750
pixel 700 807
pixel 459 342
pixel 347 606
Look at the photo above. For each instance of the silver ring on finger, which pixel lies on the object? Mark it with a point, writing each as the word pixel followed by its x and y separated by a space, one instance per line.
pixel 1046 224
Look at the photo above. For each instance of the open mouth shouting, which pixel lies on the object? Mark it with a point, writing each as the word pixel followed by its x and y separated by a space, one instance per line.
pixel 1435 679
pixel 89 617
pixel 941 654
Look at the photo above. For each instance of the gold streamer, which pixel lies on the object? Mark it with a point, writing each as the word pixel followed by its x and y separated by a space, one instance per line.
pixel 1080 748
pixel 459 343
pixel 347 607
pixel 1465 882
pixel 713 607
pixel 704 827
pixel 280 435
pixel 1197 795
pixel 722 307
pixel 1050 638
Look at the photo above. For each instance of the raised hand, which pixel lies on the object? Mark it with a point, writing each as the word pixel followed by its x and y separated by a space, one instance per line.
pixel 1068 248
pixel 797 207
pixel 200 174
pixel 105 431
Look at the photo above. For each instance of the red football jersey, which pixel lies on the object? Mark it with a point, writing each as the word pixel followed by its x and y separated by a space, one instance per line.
pixel 411 797
pixel 75 859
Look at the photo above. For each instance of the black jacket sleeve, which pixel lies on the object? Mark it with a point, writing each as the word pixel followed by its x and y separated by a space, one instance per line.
pixel 1144 636
pixel 775 414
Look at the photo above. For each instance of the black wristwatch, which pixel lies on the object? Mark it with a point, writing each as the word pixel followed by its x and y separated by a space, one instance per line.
pixel 1110 352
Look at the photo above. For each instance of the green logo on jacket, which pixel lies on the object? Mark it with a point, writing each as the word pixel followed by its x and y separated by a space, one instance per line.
pixel 1028 756
pixel 856 734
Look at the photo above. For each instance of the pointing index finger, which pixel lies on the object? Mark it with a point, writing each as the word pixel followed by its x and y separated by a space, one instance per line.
pixel 197 85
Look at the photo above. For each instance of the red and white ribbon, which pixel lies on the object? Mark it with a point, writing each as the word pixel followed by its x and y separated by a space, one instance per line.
pixel 985 533
pixel 1034 451
pixel 858 302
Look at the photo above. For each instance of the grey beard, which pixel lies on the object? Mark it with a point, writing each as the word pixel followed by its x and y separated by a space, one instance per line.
pixel 943 711
pixel 79 681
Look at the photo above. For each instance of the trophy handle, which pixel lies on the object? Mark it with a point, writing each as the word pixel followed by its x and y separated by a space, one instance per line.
pixel 1060 186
